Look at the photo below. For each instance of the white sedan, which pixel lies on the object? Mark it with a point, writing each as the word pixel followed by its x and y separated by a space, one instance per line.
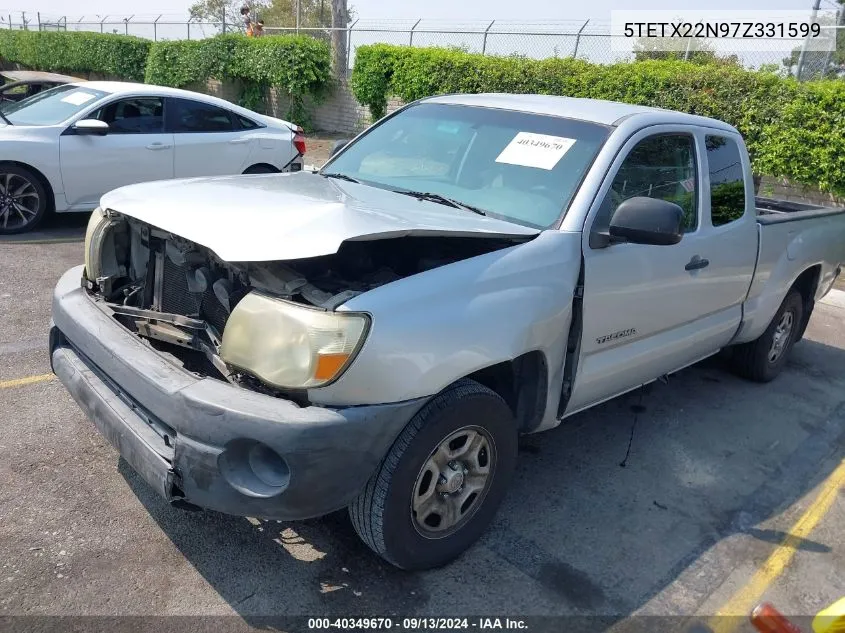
pixel 62 149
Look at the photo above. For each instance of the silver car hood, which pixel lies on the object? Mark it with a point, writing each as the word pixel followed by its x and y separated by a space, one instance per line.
pixel 291 216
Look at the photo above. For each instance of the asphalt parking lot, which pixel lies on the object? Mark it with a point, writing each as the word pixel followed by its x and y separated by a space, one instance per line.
pixel 732 492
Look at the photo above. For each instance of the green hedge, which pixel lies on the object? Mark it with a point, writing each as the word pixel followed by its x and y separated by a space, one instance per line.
pixel 115 55
pixel 793 130
pixel 299 65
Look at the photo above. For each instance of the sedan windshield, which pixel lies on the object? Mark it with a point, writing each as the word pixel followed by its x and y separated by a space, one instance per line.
pixel 51 106
pixel 516 166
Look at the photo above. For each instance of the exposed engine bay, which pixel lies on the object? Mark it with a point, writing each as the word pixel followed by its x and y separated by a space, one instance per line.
pixel 179 295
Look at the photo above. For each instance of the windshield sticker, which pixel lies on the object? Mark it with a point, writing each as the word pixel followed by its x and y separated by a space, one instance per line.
pixel 535 150
pixel 448 127
pixel 78 98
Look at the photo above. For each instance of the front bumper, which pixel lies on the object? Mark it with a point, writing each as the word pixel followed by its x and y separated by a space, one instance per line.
pixel 192 439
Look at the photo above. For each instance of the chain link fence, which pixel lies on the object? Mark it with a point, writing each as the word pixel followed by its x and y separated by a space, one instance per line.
pixel 589 40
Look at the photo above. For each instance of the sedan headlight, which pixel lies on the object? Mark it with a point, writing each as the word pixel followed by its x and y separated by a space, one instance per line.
pixel 288 345
pixel 93 242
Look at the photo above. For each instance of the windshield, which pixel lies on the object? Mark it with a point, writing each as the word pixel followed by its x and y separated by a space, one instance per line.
pixel 51 106
pixel 515 166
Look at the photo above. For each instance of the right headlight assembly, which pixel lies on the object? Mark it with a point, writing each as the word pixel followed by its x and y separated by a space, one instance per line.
pixel 290 346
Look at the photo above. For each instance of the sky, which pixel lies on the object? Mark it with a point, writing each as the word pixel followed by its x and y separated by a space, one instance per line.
pixel 452 10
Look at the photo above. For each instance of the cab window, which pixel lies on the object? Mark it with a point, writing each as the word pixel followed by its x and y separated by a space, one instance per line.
pixel 661 166
pixel 727 183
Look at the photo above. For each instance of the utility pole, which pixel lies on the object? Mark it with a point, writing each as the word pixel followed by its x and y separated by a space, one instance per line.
pixel 803 53
pixel 340 19
pixel 840 24
pixel 297 16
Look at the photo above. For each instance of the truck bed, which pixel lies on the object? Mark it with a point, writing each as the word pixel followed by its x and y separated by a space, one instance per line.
pixel 772 211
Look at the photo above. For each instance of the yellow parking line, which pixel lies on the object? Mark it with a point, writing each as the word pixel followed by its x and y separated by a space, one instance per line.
pixel 29 380
pixel 744 600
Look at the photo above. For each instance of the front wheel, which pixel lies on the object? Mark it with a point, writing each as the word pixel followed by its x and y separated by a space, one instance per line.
pixel 763 359
pixel 441 483
pixel 23 200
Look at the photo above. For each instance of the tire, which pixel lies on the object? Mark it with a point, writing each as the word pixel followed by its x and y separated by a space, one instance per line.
pixel 384 515
pixel 261 169
pixel 761 360
pixel 23 199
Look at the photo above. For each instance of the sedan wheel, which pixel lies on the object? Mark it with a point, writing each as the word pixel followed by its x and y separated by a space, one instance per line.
pixel 22 200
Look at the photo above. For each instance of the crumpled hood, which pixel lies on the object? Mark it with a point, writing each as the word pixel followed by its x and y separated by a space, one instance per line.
pixel 291 216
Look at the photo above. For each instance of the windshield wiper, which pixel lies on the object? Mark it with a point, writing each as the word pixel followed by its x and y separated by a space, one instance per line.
pixel 340 176
pixel 436 197
pixel 5 119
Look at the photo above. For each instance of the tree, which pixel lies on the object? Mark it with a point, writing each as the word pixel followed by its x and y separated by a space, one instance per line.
pixel 221 10
pixel 340 48
pixel 275 13
pixel 825 64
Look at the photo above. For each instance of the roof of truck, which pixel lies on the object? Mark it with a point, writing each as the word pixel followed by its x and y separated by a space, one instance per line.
pixel 594 110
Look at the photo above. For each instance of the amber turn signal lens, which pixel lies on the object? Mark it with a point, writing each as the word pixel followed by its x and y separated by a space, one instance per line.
pixel 328 365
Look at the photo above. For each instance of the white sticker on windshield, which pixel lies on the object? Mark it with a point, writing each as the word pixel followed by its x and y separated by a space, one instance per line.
pixel 78 98
pixel 535 150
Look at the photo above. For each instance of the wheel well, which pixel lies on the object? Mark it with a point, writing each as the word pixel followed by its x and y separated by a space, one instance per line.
pixel 806 285
pixel 262 165
pixel 51 198
pixel 522 383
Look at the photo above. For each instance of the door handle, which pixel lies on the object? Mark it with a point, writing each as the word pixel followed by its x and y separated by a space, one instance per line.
pixel 239 141
pixel 697 263
pixel 155 146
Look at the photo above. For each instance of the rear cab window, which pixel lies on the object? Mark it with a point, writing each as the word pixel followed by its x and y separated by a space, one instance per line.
pixel 727 180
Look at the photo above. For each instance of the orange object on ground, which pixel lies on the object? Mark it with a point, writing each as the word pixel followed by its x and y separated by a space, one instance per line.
pixel 767 619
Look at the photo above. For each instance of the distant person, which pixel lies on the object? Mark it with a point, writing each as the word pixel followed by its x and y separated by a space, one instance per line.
pixel 246 15
pixel 258 29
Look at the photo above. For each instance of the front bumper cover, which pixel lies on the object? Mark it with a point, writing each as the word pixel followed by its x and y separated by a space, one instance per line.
pixel 177 430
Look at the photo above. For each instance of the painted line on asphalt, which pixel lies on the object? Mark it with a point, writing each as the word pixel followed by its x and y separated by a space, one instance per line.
pixel 58 240
pixel 29 380
pixel 744 600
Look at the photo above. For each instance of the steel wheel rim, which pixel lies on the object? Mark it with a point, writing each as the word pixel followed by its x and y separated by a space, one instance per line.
pixel 783 333
pixel 19 201
pixel 453 482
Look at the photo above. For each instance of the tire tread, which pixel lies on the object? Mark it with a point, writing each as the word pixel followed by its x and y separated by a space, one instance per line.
pixel 367 510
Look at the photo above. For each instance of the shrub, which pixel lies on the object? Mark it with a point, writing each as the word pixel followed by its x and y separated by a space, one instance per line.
pixel 106 53
pixel 793 130
pixel 298 65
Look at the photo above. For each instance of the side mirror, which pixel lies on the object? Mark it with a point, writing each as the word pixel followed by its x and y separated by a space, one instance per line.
pixel 647 221
pixel 91 127
pixel 339 145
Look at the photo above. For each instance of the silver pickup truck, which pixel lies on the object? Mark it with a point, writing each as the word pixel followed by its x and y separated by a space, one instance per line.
pixel 376 335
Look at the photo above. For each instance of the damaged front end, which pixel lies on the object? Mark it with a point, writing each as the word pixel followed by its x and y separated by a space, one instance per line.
pixel 269 326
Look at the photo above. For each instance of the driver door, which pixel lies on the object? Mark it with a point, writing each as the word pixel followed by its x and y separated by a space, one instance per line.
pixel 650 310
pixel 136 149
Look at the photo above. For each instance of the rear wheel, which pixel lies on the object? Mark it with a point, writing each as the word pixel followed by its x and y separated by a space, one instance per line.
pixel 441 483
pixel 23 199
pixel 763 359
